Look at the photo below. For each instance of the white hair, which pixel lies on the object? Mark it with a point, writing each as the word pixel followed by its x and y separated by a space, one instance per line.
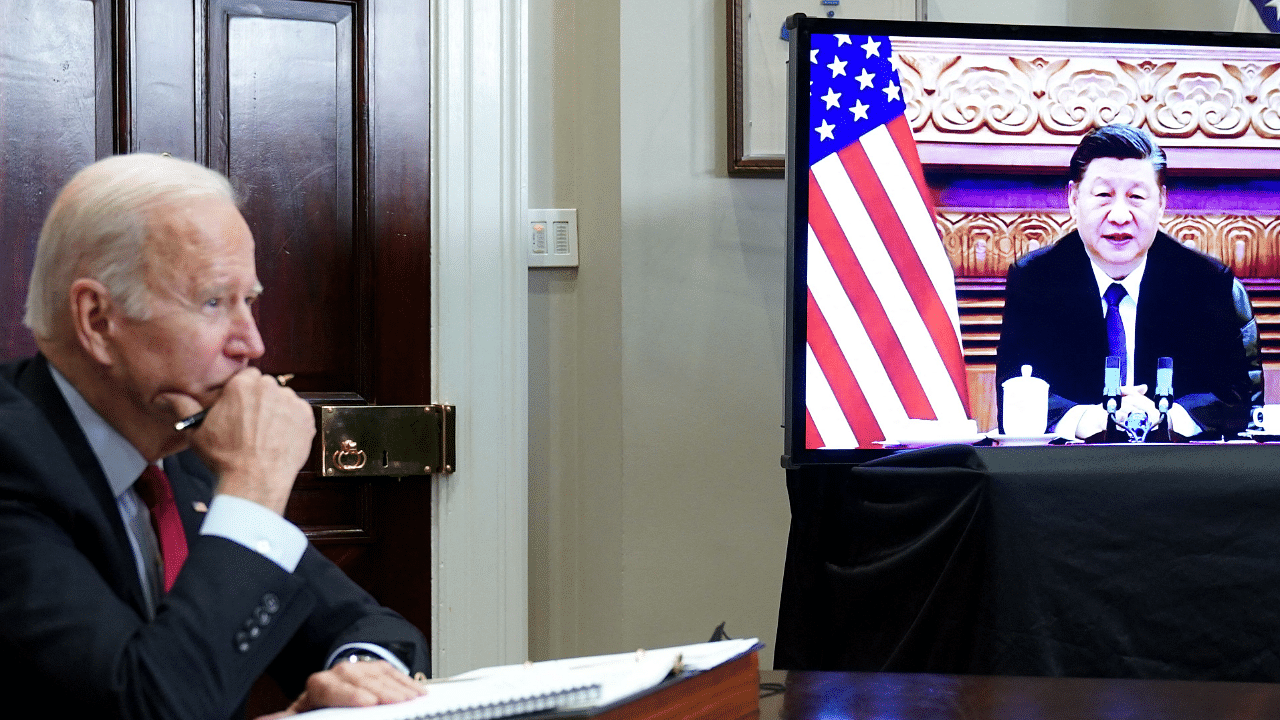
pixel 98 227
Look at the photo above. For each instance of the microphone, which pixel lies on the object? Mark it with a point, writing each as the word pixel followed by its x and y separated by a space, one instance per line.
pixel 1111 384
pixel 1164 384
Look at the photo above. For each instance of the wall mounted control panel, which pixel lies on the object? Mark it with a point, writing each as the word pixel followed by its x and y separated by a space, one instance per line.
pixel 552 240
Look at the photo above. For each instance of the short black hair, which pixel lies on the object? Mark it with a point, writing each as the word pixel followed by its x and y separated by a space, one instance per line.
pixel 1120 141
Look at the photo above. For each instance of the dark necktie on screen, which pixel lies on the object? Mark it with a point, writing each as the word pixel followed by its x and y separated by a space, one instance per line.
pixel 1116 344
pixel 154 489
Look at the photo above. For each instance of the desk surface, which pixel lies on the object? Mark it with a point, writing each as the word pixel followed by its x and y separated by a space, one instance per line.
pixel 812 695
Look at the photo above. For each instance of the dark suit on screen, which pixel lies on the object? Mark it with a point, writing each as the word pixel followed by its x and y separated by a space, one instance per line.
pixel 74 635
pixel 1190 308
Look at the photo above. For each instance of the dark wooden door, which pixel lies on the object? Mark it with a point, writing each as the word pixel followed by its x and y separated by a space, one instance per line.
pixel 318 111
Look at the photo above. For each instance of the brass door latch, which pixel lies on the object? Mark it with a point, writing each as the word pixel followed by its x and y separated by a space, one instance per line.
pixel 386 440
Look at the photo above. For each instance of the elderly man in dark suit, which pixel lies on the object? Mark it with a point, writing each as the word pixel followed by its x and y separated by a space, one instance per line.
pixel 147 571
pixel 1117 285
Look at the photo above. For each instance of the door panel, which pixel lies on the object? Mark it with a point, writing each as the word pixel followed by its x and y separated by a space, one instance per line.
pixel 55 118
pixel 280 108
pixel 160 77
pixel 287 117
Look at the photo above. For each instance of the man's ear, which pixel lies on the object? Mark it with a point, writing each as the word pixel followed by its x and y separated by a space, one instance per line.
pixel 93 318
pixel 1073 196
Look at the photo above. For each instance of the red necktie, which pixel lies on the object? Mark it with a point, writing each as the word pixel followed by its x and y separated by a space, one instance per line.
pixel 154 489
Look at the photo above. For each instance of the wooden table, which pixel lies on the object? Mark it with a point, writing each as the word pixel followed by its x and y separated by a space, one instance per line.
pixel 830 695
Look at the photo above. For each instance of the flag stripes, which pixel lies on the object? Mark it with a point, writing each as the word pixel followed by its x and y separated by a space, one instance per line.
pixel 883 328
pixel 852 297
pixel 906 231
pixel 813 438
pixel 841 412
pixel 905 142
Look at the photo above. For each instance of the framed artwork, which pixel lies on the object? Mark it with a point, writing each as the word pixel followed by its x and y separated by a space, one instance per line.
pixel 757 77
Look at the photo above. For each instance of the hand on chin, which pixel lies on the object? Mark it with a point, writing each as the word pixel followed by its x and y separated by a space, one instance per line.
pixel 179 404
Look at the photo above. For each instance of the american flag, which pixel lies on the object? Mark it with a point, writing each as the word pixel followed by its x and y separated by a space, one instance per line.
pixel 883 340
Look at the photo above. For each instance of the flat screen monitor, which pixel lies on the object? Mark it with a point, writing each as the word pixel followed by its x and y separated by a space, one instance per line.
pixel 924 160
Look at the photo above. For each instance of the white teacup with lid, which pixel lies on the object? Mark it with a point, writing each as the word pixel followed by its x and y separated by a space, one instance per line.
pixel 1267 419
pixel 1026 405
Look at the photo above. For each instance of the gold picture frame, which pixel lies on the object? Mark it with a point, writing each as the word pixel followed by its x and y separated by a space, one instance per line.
pixel 757 76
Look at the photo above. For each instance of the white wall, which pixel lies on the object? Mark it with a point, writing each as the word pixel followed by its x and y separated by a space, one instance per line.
pixel 575 335
pixel 1165 14
pixel 658 507
pixel 703 279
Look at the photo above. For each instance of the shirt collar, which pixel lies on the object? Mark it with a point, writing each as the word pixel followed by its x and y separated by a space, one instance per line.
pixel 120 461
pixel 1131 282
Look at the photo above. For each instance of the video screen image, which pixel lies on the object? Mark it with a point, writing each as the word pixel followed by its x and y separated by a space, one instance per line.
pixel 948 256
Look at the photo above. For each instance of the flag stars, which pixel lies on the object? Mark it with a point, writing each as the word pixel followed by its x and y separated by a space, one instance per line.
pixel 891 92
pixel 858 92
pixel 813 56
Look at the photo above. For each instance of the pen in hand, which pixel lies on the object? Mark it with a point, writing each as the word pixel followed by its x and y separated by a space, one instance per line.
pixel 190 422
pixel 195 420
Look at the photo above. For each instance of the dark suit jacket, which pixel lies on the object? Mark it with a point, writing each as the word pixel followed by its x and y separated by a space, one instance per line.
pixel 74 636
pixel 1187 310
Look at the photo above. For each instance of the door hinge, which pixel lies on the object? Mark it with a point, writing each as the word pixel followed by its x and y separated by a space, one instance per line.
pixel 386 440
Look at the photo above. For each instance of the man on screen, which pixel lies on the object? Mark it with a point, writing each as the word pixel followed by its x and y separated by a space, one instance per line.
pixel 1118 285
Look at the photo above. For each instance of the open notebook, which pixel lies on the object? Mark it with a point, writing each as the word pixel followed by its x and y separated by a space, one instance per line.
pixel 560 685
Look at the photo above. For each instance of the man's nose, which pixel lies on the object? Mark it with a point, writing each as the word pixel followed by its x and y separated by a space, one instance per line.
pixel 245 340
pixel 1120 212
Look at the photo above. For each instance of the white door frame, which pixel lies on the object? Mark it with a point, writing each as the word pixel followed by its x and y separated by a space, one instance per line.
pixel 479 328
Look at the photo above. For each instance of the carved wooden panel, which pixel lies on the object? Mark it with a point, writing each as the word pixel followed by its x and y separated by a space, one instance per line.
pixel 983 244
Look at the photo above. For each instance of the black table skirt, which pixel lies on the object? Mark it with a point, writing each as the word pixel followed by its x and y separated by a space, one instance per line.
pixel 1081 561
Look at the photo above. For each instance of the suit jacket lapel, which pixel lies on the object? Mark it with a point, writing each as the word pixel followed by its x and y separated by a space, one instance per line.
pixel 34 381
pixel 1154 299
pixel 1082 303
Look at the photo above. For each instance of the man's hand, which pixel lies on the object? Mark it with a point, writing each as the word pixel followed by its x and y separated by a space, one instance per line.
pixel 255 438
pixel 359 684
pixel 1133 398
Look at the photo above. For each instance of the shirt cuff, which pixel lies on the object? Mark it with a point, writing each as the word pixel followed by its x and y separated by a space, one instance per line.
pixel 370 648
pixel 257 528
pixel 1181 422
pixel 1070 420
